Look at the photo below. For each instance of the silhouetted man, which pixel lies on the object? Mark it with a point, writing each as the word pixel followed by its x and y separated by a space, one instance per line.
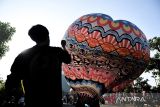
pixel 40 69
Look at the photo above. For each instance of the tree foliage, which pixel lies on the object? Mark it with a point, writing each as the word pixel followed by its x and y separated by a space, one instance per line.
pixel 2 91
pixel 155 43
pixel 154 64
pixel 6 32
pixel 140 85
pixel 155 60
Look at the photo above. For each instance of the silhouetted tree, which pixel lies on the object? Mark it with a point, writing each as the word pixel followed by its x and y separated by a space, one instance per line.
pixel 141 85
pixel 2 91
pixel 154 64
pixel 6 32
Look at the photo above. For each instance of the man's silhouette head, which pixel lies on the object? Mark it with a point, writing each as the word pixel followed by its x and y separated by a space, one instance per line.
pixel 39 34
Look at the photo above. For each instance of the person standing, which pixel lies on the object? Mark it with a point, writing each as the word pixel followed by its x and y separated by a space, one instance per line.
pixel 39 67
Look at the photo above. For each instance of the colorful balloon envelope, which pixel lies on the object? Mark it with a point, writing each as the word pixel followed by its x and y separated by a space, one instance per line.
pixel 107 54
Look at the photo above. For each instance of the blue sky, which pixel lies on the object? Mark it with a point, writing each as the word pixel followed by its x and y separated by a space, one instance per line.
pixel 57 15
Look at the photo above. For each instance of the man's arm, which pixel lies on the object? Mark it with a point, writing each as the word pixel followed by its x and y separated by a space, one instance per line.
pixel 14 79
pixel 66 56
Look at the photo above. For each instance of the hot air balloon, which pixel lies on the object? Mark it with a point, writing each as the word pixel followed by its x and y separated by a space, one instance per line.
pixel 106 55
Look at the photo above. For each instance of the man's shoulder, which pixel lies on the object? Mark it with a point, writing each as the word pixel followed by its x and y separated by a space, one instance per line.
pixel 30 51
pixel 26 51
pixel 53 48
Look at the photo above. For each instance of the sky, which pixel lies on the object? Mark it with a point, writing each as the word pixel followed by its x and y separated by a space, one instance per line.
pixel 57 15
